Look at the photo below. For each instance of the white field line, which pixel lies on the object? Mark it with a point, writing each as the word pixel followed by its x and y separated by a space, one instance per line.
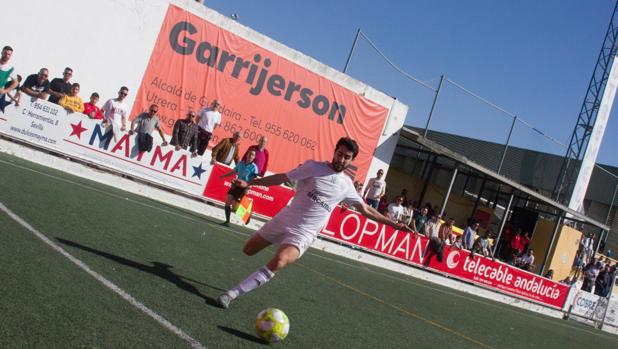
pixel 123 294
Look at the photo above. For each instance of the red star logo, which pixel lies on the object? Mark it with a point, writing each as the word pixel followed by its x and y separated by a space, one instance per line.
pixel 77 130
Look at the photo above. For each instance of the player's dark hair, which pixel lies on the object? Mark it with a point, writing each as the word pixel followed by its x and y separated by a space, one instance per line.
pixel 348 143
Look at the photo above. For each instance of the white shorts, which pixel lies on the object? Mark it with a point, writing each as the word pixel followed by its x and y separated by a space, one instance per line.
pixel 278 234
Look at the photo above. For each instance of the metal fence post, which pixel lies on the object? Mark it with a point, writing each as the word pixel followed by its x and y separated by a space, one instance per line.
pixel 448 191
pixel 433 105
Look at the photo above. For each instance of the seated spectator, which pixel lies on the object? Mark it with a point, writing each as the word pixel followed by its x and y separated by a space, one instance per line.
pixel 395 210
pixel 458 243
pixel 147 122
pixel 246 170
pixel 37 85
pixel 91 109
pixel 418 223
pixel 185 134
pixel 526 262
pixel 72 102
pixel 481 246
pixel 226 150
pixel 60 87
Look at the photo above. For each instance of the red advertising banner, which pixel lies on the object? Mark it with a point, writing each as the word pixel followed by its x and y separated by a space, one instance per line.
pixel 302 113
pixel 267 201
pixel 354 229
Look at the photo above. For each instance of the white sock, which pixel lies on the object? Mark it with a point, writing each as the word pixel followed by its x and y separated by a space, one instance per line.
pixel 253 281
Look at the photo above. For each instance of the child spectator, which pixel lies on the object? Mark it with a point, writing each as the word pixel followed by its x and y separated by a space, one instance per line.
pixel 245 170
pixel 72 102
pixel 91 109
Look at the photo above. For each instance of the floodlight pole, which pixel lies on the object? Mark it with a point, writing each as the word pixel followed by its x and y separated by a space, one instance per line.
pixel 433 105
pixel 347 62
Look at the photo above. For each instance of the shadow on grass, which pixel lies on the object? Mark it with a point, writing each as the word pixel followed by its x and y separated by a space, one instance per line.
pixel 243 335
pixel 161 270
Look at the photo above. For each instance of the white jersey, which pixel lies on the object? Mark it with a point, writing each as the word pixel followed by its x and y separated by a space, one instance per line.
pixel 114 111
pixel 209 119
pixel 318 191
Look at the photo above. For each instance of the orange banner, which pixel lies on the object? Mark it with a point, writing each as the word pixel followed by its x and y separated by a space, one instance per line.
pixel 302 113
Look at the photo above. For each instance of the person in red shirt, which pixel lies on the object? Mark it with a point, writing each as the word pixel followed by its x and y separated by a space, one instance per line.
pixel 516 243
pixel 91 109
pixel 523 244
pixel 261 155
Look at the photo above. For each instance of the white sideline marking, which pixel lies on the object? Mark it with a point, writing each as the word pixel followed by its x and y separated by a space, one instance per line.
pixel 100 278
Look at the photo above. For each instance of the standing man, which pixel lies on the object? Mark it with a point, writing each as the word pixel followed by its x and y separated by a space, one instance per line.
pixel 321 186
pixel 37 85
pixel 115 112
pixel 261 155
pixel 376 187
pixel 470 235
pixel 208 120
pixel 60 87
pixel 185 133
pixel 419 221
pixel 146 124
pixel 227 150
pixel 7 71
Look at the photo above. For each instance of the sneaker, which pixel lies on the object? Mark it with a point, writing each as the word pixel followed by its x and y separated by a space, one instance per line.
pixel 224 301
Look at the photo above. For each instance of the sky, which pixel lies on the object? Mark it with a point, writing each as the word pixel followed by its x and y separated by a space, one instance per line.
pixel 531 58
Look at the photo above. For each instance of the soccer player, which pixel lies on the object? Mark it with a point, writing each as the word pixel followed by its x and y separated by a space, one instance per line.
pixel 320 187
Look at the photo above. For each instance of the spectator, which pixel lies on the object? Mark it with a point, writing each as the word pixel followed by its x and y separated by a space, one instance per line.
pixel 115 112
pixel 524 242
pixel 505 240
pixel 526 262
pixel 383 204
pixel 482 246
pixel 395 210
pixel 602 283
pixel 470 235
pixel 404 194
pixel 226 150
pixel 458 243
pixel 549 274
pixel 91 109
pixel 261 155
pixel 60 87
pixel 8 77
pixel 246 170
pixel 376 188
pixel 591 271
pixel 436 241
pixel 37 85
pixel 431 227
pixel 209 118
pixel 72 102
pixel 515 244
pixel 418 223
pixel 16 96
pixel 446 228
pixel 146 124
pixel 185 134
pixel 359 187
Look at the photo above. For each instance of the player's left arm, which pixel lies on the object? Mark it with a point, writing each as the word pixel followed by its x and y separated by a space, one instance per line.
pixel 373 214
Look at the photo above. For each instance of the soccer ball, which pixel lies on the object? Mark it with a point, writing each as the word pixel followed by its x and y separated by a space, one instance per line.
pixel 272 325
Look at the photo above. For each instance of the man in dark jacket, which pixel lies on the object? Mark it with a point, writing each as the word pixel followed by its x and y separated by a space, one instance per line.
pixel 226 150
